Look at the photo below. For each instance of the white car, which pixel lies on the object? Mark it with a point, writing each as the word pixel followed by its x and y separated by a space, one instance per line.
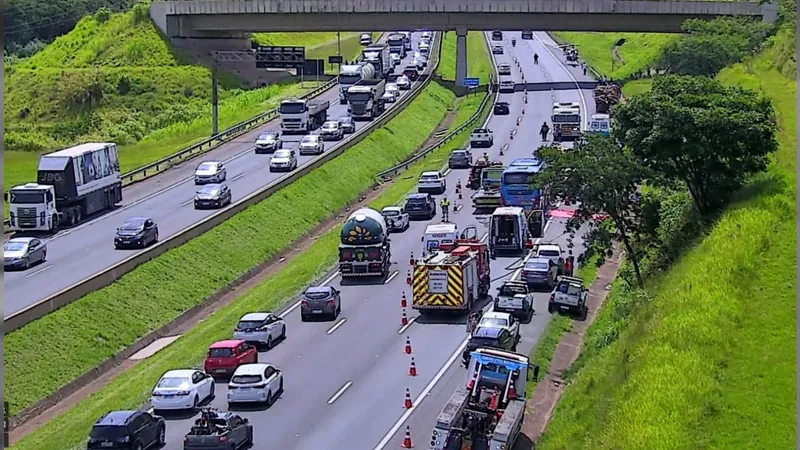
pixel 506 86
pixel 395 59
pixel 255 383
pixel 431 182
pixel 311 145
pixel 269 142
pixel 504 320
pixel 210 172
pixel 283 160
pixel 403 83
pixel 550 251
pixel 396 217
pixel 22 253
pixel 182 389
pixel 365 39
pixel 392 93
pixel 261 328
pixel 426 35
pixel 504 69
pixel 481 137
pixel 332 130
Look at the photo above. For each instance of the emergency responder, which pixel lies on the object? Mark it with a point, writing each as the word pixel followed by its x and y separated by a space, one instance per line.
pixel 536 58
pixel 445 204
pixel 561 265
pixel 544 130
pixel 473 320
pixel 557 134
pixel 513 42
pixel 486 156
pixel 568 266
pixel 571 261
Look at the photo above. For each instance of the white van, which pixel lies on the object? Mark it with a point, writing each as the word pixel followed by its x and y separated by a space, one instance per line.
pixel 439 237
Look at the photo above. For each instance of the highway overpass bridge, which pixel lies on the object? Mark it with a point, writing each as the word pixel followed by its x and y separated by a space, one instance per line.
pixel 224 24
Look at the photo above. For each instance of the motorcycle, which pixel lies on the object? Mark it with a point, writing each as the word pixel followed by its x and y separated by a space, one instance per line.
pixel 513 42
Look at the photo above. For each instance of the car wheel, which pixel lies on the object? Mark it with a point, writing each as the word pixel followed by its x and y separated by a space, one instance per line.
pixel 27 263
pixel 162 436
pixel 155 238
pixel 195 403
pixel 280 386
pixel 268 401
pixel 283 333
pixel 269 342
pixel 213 392
pixel 303 318
pixel 138 446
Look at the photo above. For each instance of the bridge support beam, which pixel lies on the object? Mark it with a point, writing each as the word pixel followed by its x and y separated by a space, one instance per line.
pixel 461 56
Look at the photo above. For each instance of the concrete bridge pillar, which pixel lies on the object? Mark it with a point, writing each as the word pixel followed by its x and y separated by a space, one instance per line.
pixel 769 11
pixel 461 56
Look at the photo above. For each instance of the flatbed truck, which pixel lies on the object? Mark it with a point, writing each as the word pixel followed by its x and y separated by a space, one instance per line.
pixel 302 116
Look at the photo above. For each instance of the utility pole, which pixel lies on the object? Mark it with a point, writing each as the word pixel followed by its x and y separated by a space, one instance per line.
pixel 339 43
pixel 214 99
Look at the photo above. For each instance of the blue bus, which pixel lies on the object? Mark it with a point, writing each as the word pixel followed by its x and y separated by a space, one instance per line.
pixel 516 190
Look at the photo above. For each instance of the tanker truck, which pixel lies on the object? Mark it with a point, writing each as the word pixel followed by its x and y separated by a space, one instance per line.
pixel 364 250
pixel 350 75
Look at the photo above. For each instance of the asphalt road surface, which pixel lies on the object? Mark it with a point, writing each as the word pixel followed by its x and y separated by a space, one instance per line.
pixel 78 253
pixel 345 380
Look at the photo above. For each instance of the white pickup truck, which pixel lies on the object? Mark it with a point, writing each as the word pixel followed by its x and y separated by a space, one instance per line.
pixel 569 295
pixel 481 137
pixel 513 297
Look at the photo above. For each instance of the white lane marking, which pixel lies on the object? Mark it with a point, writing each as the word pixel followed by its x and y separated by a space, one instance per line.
pixel 391 277
pixel 422 396
pixel 546 227
pixel 447 172
pixel 187 202
pixel 38 271
pixel 237 176
pixel 585 118
pixel 405 327
pixel 340 392
pixel 336 327
pixel 297 303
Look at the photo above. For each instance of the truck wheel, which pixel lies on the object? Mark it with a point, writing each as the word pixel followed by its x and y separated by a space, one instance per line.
pixel 78 215
pixel 550 308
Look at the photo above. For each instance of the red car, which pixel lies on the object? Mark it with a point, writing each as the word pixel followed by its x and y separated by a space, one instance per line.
pixel 224 357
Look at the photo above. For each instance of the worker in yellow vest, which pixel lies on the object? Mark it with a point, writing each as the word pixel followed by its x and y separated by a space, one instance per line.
pixel 445 204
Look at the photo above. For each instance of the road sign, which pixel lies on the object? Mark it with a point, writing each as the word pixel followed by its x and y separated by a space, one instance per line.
pixel 274 57
pixel 314 67
pixel 473 82
pixel 335 59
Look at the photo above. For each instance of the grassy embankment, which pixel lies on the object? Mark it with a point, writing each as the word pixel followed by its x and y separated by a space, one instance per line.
pixel 85 333
pixel 117 79
pixel 479 66
pixel 707 358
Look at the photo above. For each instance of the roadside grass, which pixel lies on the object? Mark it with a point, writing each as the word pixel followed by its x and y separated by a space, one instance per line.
pixel 478 65
pixel 639 51
pixel 132 388
pixel 635 87
pixel 707 358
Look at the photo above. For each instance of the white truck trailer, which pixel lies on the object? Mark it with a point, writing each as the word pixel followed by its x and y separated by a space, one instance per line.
pixel 302 116
pixel 350 75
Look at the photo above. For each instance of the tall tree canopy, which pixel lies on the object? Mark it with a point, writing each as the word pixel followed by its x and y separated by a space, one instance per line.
pixel 695 130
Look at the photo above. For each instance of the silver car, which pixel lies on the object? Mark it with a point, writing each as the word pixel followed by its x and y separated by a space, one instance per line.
pixel 347 124
pixel 331 130
pixel 311 145
pixel 403 83
pixel 213 196
pixel 540 272
pixel 260 329
pixel 504 69
pixel 320 301
pixel 269 142
pixel 283 161
pixel 460 159
pixel 210 172
pixel 22 253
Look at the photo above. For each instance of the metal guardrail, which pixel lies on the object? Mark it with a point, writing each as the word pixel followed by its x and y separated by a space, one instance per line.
pixel 111 274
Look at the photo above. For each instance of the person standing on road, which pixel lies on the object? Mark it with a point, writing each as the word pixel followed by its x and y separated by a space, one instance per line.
pixel 445 204
pixel 544 130
pixel 584 67
pixel 536 58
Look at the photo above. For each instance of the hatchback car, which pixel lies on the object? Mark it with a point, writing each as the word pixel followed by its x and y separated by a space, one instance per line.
pixel 134 430
pixel 331 130
pixel 320 301
pixel 261 328
pixel 432 182
pixel 136 232
pixel 412 72
pixel 506 86
pixel 420 206
pixel 22 253
pixel 502 109
pixel 498 338
pixel 460 159
pixel 255 383
pixel 365 39
pixel 540 272
pixel 269 142
pixel 403 83
pixel 494 319
pixel 497 49
pixel 213 196
pixel 283 161
pixel 504 69
pixel 210 172
pixel 347 124
pixel 497 35
pixel 311 145
pixel 182 389
pixel 527 35
pixel 224 357
pixel 396 218
pixel 391 93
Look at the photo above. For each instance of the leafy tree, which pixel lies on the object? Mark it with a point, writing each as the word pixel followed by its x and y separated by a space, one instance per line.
pixel 604 178
pixel 693 129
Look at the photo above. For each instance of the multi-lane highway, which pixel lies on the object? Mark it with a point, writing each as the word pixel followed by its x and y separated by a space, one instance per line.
pixel 345 380
pixel 87 249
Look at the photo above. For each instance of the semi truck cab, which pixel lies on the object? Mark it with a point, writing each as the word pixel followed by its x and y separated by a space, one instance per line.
pixel 32 207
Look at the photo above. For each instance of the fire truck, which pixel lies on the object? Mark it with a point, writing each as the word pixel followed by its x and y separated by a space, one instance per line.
pixel 455 279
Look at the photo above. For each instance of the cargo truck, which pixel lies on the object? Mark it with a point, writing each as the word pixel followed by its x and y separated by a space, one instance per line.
pixel 378 55
pixel 72 184
pixel 302 116
pixel 489 195
pixel 486 411
pixel 396 43
pixel 364 250
pixel 365 99
pixel 350 75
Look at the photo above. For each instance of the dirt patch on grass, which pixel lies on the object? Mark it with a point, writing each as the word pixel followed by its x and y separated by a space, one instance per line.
pixel 443 129
pixel 540 408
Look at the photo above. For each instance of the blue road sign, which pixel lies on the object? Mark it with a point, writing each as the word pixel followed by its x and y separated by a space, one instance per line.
pixel 472 82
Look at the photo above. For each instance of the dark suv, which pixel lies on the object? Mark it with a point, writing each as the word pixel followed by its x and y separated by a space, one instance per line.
pixel 501 109
pixel 128 430
pixel 420 206
pixel 320 301
pixel 498 338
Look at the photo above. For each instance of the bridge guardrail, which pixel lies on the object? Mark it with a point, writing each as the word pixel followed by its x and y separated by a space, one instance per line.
pixel 111 274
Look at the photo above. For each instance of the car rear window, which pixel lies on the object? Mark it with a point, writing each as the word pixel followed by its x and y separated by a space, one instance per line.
pixel 417 201
pixel 484 342
pixel 220 352
pixel 538 266
pixel 248 324
pixel 549 253
pixel 317 295
pixel 173 382
pixel 246 379
pixel 429 177
pixel 108 432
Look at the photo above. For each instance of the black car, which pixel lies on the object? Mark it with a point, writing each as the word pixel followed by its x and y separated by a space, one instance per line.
pixel 129 430
pixel 498 338
pixel 136 232
pixel 420 206
pixel 527 35
pixel 347 124
pixel 497 35
pixel 502 109
pixel 213 196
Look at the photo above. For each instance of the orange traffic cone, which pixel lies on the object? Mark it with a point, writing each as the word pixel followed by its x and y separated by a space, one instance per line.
pixel 473 380
pixel 412 370
pixel 493 401
pixel 501 149
pixel 511 135
pixel 409 404
pixel 403 301
pixel 525 99
pixel 523 110
pixel 408 278
pixel 408 345
pixel 404 320
pixel 411 259
pixel 519 119
pixel 407 440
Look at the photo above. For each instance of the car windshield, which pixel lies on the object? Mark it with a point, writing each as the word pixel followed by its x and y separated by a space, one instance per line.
pixel 391 87
pixel 549 253
pixel 267 137
pixel 173 382
pixel 207 166
pixel 111 433
pixel 309 139
pixel 209 190
pixel 345 119
pixel 246 379
pixel 330 125
pixel 11 246
pixel 132 225
pixel 220 352
pixel 402 80
pixel 491 322
pixel 391 213
pixel 281 154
